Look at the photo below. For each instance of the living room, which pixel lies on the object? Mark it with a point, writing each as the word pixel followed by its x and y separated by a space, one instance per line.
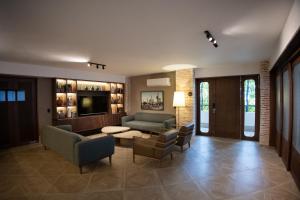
pixel 150 99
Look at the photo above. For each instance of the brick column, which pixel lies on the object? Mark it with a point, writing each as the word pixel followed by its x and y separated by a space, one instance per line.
pixel 264 129
pixel 184 82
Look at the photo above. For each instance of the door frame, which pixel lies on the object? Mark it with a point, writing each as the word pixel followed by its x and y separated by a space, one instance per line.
pixel 256 77
pixel 257 107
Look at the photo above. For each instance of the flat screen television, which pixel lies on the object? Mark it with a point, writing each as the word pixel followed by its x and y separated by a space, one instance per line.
pixel 92 104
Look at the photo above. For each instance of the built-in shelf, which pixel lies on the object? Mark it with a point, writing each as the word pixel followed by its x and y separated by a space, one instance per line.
pixel 66 96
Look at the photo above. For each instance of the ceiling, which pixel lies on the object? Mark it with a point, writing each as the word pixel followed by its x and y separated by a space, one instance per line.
pixel 134 37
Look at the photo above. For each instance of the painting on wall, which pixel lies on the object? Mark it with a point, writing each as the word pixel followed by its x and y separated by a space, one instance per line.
pixel 152 100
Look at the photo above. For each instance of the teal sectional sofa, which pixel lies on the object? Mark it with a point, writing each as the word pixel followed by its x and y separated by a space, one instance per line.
pixel 76 148
pixel 152 122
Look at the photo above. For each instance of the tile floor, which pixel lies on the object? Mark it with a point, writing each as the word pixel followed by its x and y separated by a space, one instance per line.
pixel 212 168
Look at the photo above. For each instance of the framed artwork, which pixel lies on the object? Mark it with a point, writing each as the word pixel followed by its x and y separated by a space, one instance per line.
pixel 152 100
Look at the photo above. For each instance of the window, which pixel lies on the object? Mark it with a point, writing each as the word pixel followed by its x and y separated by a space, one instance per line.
pixel 204 107
pixel 2 96
pixel 11 95
pixel 21 95
pixel 249 107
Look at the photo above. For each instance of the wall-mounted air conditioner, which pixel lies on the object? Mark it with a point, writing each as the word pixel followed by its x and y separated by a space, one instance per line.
pixel 158 82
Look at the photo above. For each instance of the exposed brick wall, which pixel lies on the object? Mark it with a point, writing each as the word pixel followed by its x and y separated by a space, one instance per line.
pixel 184 82
pixel 264 129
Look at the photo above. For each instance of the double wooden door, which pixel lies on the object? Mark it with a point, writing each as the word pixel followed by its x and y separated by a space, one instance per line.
pixel 18 114
pixel 220 107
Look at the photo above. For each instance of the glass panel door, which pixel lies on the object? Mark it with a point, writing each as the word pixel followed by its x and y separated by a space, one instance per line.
pixel 249 107
pixel 286 105
pixel 296 106
pixel 204 107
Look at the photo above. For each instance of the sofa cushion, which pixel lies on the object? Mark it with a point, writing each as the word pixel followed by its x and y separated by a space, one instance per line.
pixel 152 117
pixel 168 135
pixel 144 125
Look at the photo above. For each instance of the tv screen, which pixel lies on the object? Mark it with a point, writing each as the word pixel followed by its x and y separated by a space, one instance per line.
pixel 91 105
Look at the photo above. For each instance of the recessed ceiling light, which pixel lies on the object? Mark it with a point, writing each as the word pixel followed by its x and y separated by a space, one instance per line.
pixel 175 67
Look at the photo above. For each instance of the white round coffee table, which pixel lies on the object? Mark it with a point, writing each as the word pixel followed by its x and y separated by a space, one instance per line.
pixel 114 129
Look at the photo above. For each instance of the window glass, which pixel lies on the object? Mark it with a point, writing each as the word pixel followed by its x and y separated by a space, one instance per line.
pixel 296 118
pixel 278 104
pixel 11 95
pixel 21 95
pixel 249 108
pixel 204 107
pixel 2 95
pixel 286 104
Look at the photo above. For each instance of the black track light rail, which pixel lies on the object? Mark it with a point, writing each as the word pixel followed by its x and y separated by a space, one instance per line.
pixel 97 65
pixel 211 38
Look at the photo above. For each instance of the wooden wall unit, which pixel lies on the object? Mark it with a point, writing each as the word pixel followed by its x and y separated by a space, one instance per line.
pixel 65 92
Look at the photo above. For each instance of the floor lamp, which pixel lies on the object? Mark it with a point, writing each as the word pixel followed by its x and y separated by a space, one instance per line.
pixel 178 101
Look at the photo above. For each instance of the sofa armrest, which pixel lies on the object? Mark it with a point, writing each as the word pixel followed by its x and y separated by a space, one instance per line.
pixel 170 123
pixel 91 150
pixel 127 119
pixel 65 127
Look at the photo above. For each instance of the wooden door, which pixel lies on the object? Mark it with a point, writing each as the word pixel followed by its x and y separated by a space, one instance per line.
pixel 286 115
pixel 295 145
pixel 18 111
pixel 278 113
pixel 226 107
pixel 218 114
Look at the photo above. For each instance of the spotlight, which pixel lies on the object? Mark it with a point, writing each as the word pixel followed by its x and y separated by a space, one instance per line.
pixel 211 38
pixel 96 65
pixel 103 67
pixel 89 64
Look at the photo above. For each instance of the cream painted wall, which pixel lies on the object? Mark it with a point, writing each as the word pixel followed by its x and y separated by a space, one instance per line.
pixel 137 84
pixel 52 72
pixel 44 102
pixel 290 28
pixel 227 70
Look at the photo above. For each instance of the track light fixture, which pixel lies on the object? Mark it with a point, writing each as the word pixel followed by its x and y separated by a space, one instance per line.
pixel 97 65
pixel 211 38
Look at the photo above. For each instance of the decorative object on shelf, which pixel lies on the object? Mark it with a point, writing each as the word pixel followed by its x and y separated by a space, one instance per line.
pixel 152 100
pixel 178 101
pixel 96 65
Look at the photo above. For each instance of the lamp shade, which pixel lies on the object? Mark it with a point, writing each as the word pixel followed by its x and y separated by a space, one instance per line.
pixel 178 99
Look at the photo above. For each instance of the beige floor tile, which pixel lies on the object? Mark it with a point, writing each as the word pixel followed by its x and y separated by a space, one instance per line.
pixel 145 194
pixel 172 175
pixel 141 178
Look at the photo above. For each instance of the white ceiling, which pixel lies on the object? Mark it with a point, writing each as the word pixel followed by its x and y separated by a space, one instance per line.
pixel 135 37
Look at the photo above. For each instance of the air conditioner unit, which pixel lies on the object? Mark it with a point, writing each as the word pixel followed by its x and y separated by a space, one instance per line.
pixel 158 82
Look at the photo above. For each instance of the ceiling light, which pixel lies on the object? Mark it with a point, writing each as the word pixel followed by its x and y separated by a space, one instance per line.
pixel 97 65
pixel 175 67
pixel 211 38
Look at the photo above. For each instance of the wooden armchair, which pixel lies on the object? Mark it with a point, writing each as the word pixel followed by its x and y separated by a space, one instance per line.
pixel 185 135
pixel 156 147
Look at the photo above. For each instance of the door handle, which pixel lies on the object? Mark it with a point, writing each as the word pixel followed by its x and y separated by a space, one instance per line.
pixel 214 108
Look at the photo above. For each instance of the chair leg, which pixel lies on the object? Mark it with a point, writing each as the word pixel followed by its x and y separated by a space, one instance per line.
pixel 45 147
pixel 171 156
pixel 133 158
pixel 110 160
pixel 80 169
pixel 189 144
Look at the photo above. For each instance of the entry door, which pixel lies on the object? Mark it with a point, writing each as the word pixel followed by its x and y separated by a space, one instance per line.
pixel 18 111
pixel 278 116
pixel 218 107
pixel 286 116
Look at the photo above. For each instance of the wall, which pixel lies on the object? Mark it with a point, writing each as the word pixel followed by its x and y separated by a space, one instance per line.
pixel 185 83
pixel 54 72
pixel 44 102
pixel 137 84
pixel 290 28
pixel 264 129
pixel 227 70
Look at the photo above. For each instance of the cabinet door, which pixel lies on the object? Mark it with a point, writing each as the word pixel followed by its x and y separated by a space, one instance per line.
pixel 5 115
